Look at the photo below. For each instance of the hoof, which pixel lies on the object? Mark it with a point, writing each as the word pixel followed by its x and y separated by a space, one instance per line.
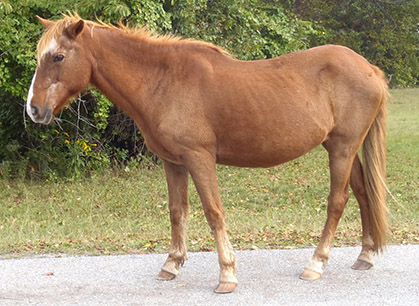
pixel 361 265
pixel 165 276
pixel 225 287
pixel 310 275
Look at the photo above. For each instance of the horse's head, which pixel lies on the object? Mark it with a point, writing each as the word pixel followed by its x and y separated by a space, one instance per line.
pixel 63 69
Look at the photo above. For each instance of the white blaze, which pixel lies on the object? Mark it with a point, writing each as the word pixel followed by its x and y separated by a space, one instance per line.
pixel 30 95
pixel 51 48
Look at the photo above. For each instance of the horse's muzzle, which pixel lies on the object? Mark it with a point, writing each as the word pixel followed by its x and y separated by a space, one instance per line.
pixel 38 115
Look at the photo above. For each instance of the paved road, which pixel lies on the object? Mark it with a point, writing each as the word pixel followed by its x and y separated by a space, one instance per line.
pixel 266 278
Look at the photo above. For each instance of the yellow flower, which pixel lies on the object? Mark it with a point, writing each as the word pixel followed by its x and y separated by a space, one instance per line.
pixel 86 147
pixel 67 141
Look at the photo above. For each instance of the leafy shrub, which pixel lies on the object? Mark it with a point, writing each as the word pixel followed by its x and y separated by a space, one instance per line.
pixel 249 29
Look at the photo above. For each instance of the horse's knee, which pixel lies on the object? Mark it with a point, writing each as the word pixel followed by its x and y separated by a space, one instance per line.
pixel 177 216
pixel 215 217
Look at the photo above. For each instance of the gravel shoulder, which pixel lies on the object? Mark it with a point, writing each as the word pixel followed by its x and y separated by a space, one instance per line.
pixel 266 277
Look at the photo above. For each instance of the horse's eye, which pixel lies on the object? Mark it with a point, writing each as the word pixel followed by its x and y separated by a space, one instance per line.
pixel 58 58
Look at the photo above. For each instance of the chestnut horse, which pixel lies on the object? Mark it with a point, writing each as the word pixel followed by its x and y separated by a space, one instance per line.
pixel 197 106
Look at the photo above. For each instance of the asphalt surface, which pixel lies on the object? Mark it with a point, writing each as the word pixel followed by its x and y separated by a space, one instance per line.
pixel 266 277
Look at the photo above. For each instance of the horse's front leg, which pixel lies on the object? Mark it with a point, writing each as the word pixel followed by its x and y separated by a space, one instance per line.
pixel 201 165
pixel 177 182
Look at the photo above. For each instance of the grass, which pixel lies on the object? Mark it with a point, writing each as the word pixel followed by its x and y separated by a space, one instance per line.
pixel 119 212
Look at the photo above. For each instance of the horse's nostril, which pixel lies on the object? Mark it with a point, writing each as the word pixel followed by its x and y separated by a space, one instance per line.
pixel 34 111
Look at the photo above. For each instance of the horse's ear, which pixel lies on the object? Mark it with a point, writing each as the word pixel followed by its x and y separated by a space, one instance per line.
pixel 45 23
pixel 75 28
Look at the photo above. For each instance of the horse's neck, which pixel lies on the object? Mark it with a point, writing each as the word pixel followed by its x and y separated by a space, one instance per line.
pixel 125 70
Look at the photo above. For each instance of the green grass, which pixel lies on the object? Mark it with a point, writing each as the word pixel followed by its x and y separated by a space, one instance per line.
pixel 283 207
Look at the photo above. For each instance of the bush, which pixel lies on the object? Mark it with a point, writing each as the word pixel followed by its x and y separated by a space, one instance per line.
pixel 93 134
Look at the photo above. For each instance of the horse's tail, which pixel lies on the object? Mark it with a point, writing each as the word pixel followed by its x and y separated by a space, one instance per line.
pixel 374 168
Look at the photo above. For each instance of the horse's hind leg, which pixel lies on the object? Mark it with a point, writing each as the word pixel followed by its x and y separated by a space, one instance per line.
pixel 177 182
pixel 365 259
pixel 340 162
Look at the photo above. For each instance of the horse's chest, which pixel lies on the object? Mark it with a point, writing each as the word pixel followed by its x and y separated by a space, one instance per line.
pixel 162 149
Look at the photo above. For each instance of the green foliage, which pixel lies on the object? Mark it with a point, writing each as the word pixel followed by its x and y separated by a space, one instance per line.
pixel 387 34
pixel 136 12
pixel 250 29
pixel 103 108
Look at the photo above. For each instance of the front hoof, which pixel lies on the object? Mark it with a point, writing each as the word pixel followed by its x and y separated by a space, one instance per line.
pixel 310 275
pixel 165 276
pixel 362 265
pixel 225 287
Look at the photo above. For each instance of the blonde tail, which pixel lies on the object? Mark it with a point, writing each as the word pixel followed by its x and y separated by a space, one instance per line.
pixel 374 168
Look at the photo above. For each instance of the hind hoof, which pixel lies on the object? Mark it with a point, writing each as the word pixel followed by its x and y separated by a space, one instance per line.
pixel 310 275
pixel 165 276
pixel 362 265
pixel 225 287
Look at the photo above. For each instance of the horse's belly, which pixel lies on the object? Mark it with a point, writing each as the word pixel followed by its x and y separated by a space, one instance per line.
pixel 256 162
pixel 264 153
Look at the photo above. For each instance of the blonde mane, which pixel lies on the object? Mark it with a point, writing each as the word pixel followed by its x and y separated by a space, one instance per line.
pixel 56 30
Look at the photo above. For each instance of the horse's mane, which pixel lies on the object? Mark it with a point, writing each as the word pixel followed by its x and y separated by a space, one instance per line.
pixel 141 33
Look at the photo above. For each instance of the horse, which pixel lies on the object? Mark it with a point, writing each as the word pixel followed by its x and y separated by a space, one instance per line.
pixel 196 106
